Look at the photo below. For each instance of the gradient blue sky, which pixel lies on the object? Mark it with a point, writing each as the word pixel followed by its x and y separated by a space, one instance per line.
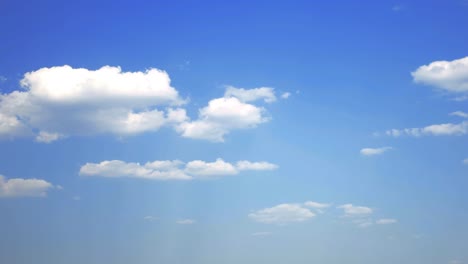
pixel 328 181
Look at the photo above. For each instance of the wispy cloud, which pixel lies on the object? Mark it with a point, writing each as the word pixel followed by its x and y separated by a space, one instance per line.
pixel 185 222
pixel 374 151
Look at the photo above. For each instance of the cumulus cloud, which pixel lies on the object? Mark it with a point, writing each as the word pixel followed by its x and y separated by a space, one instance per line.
pixel 374 151
pixel 250 95
pixel 185 222
pixel 446 129
pixel 351 210
pixel 170 170
pixel 220 117
pixel 63 101
pixel 282 214
pixel 386 221
pixel 449 76
pixel 24 187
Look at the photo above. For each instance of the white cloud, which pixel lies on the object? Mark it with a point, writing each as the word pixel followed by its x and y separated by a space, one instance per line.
pixel 374 151
pixel 285 95
pixel 317 205
pixel 351 210
pixel 202 168
pixel 185 222
pixel 450 76
pixel 465 161
pixel 282 214
pixel 170 170
pixel 46 137
pixel 65 101
pixel 460 114
pixel 220 117
pixel 263 165
pixel 386 221
pixel 251 95
pixel 158 170
pixel 24 187
pixel 60 102
pixel 446 129
pixel 261 234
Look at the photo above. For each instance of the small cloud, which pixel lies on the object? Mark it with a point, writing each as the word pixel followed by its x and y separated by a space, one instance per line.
pixel 374 151
pixel 185 222
pixel 459 114
pixel 150 218
pixel 282 214
pixel 363 223
pixel 386 221
pixel 465 161
pixel 261 234
pixel 285 95
pixel 19 187
pixel 2 79
pixel 351 210
pixel 76 198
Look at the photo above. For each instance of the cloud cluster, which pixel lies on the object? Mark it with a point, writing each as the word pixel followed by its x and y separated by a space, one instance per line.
pixel 59 102
pixel 449 76
pixel 171 170
pixel 288 213
pixel 24 187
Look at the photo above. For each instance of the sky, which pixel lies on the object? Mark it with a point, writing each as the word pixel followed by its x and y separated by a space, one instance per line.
pixel 207 132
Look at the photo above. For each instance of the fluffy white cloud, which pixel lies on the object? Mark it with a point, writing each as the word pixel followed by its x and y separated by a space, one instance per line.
pixel 386 221
pixel 24 187
pixel 220 117
pixel 65 101
pixel 351 210
pixel 460 114
pixel 450 76
pixel 185 222
pixel 59 102
pixel 169 170
pixel 446 129
pixel 282 214
pixel 374 151
pixel 251 95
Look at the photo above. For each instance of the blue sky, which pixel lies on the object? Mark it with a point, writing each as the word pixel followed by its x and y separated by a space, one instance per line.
pixel 242 132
